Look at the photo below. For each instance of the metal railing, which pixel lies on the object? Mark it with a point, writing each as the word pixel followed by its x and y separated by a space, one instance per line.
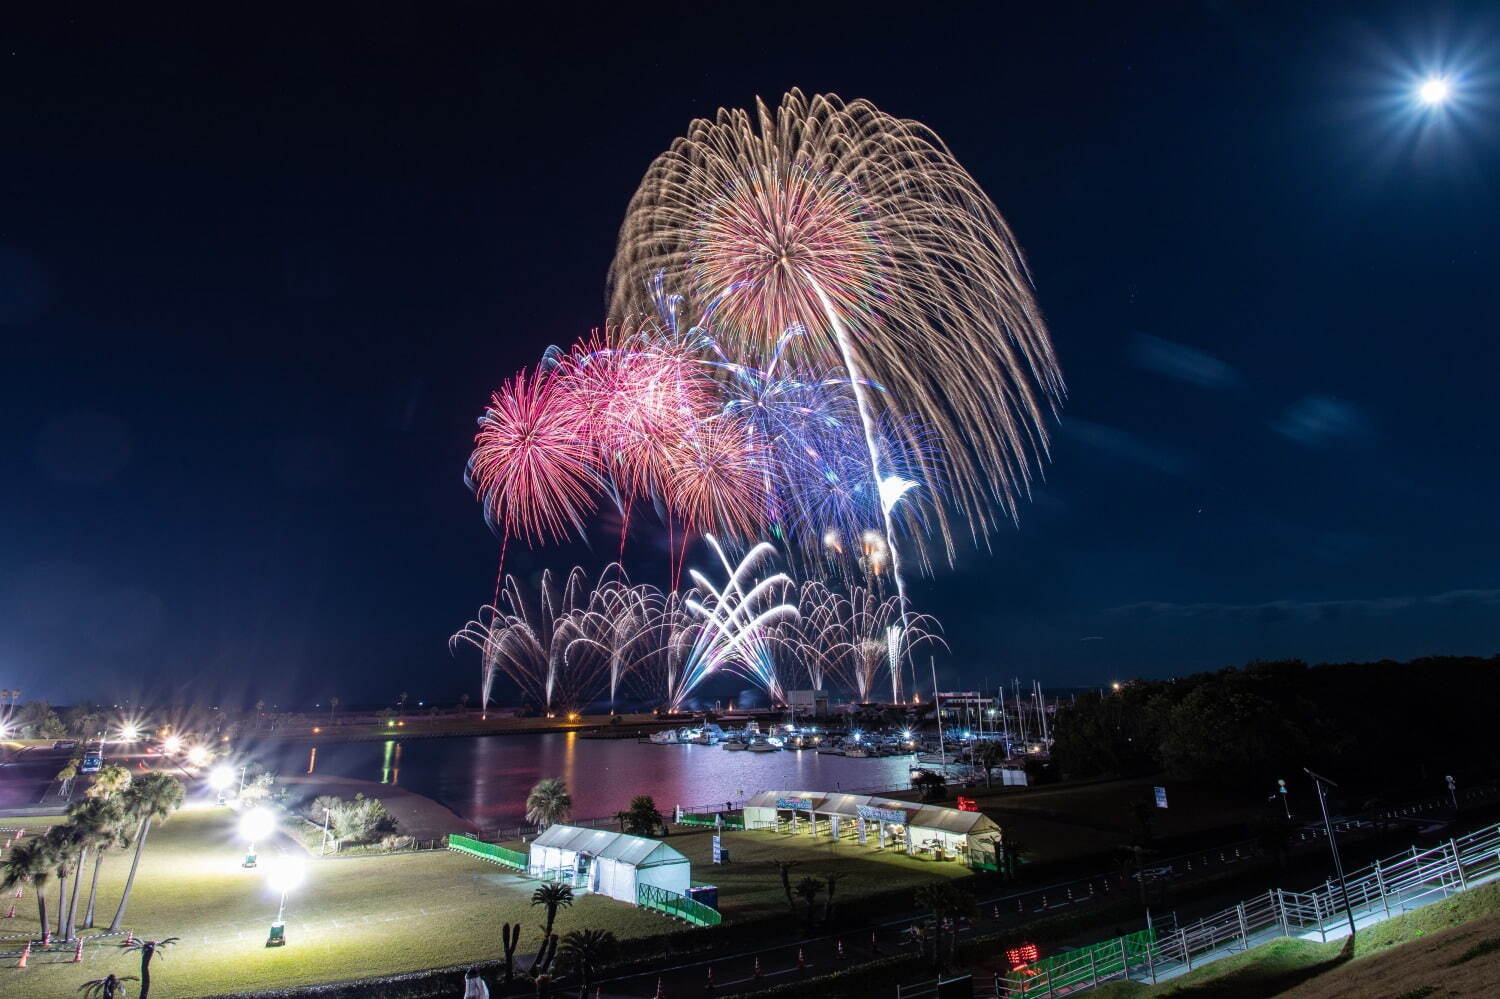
pixel 677 906
pixel 1385 888
pixel 514 859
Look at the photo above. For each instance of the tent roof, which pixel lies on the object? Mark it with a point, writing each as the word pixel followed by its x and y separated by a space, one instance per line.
pixel 949 820
pixel 635 851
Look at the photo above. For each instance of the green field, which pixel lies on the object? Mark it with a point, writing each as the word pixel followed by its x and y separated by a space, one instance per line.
pixel 364 916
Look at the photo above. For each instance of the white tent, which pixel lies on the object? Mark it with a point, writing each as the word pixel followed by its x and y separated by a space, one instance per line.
pixel 608 863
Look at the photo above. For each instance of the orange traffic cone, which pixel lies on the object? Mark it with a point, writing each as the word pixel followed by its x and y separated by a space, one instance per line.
pixel 129 937
pixel 758 973
pixel 659 993
pixel 25 953
pixel 20 891
pixel 12 913
pixel 710 976
pixel 841 949
pixel 78 952
pixel 801 961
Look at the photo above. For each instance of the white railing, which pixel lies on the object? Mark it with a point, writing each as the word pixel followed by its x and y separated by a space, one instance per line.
pixel 1385 888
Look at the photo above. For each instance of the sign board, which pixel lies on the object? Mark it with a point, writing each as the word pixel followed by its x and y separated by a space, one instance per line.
pixel 895 815
pixel 795 804
pixel 718 850
pixel 1161 797
pixel 967 804
pixel 1022 955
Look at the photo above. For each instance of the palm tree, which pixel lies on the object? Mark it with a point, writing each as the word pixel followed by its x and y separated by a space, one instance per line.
pixel 109 782
pixel 109 828
pixel 554 895
pixel 808 890
pixel 148 949
pixel 642 818
pixel 108 987
pixel 66 842
pixel 152 796
pixel 31 861
pixel 584 951
pixel 548 802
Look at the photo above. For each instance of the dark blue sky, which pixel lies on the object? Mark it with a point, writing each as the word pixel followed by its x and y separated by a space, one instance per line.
pixel 257 277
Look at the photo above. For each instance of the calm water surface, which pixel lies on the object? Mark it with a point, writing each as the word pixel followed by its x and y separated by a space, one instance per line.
pixel 485 778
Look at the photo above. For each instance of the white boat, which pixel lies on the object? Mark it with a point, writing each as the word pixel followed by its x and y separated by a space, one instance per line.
pixel 665 737
pixel 762 746
pixel 734 743
pixel 944 758
pixel 859 752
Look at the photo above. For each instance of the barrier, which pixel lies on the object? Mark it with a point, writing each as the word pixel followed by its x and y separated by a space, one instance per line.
pixel 514 859
pixel 677 906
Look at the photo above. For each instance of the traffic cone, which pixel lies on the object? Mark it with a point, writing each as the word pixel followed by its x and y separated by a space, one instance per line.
pixel 801 961
pixel 841 948
pixel 874 944
pixel 710 977
pixel 25 953
pixel 129 937
pixel 757 973
pixel 12 913
pixel 659 993
pixel 20 891
pixel 78 952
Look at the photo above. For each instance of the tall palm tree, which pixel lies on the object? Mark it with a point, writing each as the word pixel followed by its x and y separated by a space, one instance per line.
pixel 584 951
pixel 151 796
pixel 548 802
pixel 65 843
pixel 100 824
pixel 148 949
pixel 554 896
pixel 31 861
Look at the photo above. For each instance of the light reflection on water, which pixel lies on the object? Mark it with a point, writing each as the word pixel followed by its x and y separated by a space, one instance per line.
pixel 486 778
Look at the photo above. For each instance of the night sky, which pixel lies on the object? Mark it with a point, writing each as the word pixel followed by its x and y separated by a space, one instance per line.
pixel 258 276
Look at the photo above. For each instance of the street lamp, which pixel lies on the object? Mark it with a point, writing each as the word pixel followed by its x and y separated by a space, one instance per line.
pixel 286 873
pixel 256 825
pixel 1338 865
pixel 220 779
pixel 1285 802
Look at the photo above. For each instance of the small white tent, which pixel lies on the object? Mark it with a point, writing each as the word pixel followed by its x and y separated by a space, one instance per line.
pixel 608 863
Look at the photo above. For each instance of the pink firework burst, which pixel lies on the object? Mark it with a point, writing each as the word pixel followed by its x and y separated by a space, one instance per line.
pixel 534 462
pixel 717 480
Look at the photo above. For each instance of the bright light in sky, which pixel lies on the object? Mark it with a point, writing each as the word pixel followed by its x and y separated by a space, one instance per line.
pixel 1434 90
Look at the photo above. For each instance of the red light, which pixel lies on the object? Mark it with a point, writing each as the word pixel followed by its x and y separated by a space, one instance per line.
pixel 967 805
pixel 1022 955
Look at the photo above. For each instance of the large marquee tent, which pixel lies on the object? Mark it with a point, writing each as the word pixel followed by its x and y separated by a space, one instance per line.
pixel 967 834
pixel 608 863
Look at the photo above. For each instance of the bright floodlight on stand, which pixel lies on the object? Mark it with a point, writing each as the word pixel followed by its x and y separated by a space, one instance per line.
pixel 256 825
pixel 220 780
pixel 286 873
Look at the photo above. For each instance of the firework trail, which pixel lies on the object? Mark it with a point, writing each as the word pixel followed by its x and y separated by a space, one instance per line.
pixel 862 230
pixel 858 636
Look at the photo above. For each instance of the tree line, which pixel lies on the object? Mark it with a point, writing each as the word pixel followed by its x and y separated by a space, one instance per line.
pixel 1380 723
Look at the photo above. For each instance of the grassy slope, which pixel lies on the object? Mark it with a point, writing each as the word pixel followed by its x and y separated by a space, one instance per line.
pixel 366 916
pixel 1417 950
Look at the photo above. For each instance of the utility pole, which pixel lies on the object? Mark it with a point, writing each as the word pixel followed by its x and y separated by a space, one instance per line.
pixel 1338 865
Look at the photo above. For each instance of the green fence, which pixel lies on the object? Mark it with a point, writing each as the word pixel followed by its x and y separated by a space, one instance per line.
pixel 730 821
pixel 514 859
pixel 673 904
pixel 1093 964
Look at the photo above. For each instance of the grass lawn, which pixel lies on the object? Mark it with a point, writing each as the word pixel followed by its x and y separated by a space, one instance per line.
pixel 1449 948
pixel 750 885
pixel 352 917
pixel 361 916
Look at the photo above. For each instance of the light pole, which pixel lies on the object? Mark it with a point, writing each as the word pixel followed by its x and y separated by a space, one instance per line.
pixel 256 825
pixel 286 874
pixel 1285 801
pixel 1322 783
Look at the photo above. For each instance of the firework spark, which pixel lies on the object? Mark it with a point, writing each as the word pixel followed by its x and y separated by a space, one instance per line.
pixel 864 231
